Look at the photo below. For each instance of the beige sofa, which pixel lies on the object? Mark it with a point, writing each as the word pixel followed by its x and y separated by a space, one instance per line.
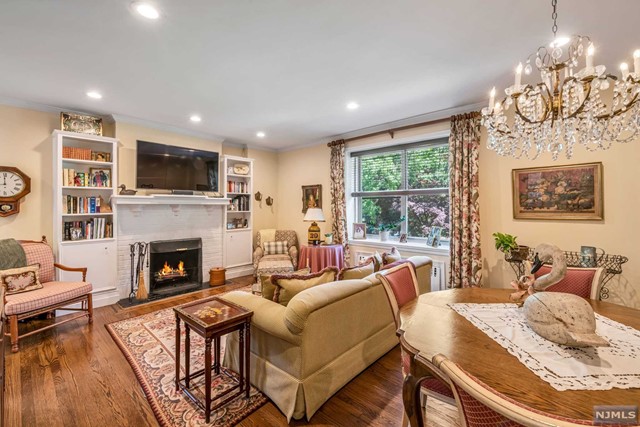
pixel 303 353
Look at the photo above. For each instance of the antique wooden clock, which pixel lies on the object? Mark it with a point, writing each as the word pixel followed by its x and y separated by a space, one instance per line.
pixel 14 185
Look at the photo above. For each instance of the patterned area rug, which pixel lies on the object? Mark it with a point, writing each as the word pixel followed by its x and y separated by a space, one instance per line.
pixel 148 343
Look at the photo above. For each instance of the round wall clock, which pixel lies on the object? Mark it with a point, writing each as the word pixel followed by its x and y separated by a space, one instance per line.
pixel 14 185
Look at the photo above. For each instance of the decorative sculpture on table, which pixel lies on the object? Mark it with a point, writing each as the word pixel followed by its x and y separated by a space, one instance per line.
pixel 557 316
pixel 528 284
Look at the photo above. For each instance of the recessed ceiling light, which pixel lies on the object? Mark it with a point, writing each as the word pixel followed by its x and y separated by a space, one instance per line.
pixel 353 106
pixel 146 9
pixel 195 118
pixel 261 134
pixel 93 94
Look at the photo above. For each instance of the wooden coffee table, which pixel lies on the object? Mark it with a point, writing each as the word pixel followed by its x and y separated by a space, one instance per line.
pixel 211 318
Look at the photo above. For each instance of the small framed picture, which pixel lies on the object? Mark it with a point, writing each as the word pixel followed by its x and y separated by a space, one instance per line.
pixel 403 238
pixel 76 233
pixel 99 177
pixel 311 197
pixel 359 230
pixel 433 239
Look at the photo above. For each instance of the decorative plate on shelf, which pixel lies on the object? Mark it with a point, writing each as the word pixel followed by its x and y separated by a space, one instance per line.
pixel 241 169
pixel 81 123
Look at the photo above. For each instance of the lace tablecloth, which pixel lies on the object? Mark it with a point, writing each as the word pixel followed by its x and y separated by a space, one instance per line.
pixel 565 368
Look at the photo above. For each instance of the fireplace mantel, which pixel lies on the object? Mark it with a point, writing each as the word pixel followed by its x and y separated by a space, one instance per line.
pixel 136 203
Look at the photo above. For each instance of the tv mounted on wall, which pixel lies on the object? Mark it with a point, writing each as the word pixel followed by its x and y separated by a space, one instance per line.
pixel 167 167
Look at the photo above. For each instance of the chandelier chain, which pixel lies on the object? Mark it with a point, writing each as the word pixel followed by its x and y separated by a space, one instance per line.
pixel 554 16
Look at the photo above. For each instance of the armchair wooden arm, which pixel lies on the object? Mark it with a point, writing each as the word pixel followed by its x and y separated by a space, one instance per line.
pixel 82 270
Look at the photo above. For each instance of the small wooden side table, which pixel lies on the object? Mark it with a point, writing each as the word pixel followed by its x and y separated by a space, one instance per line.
pixel 211 318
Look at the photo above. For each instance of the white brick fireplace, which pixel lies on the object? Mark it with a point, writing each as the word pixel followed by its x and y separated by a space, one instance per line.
pixel 163 217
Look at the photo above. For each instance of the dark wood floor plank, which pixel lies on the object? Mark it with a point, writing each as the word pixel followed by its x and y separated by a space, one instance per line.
pixel 75 375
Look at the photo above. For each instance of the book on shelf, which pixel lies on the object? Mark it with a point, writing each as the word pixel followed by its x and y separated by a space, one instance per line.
pixel 91 229
pixel 76 153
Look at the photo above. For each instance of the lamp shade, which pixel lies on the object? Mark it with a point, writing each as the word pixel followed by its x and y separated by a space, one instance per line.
pixel 314 215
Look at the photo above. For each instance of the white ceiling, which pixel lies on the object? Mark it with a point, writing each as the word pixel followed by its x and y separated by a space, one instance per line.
pixel 287 67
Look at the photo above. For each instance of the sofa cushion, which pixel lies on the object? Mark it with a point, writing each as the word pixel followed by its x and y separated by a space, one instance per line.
pixel 396 263
pixel 391 256
pixel 21 279
pixel 275 248
pixel 377 261
pixel 357 272
pixel 51 293
pixel 269 288
pixel 289 286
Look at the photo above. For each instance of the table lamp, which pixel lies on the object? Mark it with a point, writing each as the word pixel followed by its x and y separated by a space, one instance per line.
pixel 313 215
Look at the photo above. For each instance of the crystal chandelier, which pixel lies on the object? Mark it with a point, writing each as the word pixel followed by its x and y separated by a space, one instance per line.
pixel 561 111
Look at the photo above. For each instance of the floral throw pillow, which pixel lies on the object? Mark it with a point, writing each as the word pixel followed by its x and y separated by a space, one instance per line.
pixel 22 279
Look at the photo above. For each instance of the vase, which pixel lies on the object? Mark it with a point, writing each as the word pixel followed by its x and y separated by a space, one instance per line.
pixel 384 236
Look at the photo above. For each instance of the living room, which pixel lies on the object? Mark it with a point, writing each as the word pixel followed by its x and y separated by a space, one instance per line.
pixel 358 82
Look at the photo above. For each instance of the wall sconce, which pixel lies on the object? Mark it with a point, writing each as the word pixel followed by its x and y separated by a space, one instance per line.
pixel 258 196
pixel 269 201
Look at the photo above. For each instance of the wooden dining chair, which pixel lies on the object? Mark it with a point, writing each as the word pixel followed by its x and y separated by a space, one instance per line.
pixel 585 282
pixel 401 286
pixel 481 406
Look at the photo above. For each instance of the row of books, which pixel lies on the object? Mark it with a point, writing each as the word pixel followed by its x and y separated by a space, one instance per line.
pixel 239 203
pixel 95 228
pixel 237 187
pixel 76 153
pixel 97 178
pixel 81 205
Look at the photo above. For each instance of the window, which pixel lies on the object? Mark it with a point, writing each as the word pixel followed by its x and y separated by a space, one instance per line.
pixel 408 182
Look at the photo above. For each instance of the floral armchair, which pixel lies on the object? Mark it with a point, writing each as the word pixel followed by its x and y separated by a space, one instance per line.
pixel 269 257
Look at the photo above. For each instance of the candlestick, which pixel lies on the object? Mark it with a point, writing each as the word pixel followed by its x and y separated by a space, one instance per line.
pixel 589 58
pixel 518 75
pixel 492 99
pixel 624 67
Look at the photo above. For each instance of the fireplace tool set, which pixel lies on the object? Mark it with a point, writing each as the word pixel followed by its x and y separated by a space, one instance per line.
pixel 138 287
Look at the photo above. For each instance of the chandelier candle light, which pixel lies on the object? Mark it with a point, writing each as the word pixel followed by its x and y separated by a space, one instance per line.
pixel 557 113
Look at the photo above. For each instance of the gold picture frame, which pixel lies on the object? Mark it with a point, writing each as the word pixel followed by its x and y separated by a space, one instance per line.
pixel 567 192
pixel 81 123
pixel 311 197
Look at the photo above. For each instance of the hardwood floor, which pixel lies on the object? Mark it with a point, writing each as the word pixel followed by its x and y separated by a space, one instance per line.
pixel 75 375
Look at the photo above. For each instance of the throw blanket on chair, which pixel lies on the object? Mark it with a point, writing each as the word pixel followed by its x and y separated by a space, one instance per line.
pixel 11 254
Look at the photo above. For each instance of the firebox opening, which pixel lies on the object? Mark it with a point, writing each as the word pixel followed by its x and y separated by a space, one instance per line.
pixel 175 266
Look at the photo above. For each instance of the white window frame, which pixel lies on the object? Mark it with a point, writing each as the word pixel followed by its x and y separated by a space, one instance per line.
pixel 415 243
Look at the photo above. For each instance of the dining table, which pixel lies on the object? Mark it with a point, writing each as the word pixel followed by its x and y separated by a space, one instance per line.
pixel 430 326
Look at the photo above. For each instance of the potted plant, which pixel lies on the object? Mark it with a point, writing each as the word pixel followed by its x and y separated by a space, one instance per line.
pixel 386 227
pixel 507 244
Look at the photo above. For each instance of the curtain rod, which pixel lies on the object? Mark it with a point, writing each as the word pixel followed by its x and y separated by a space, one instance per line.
pixel 391 131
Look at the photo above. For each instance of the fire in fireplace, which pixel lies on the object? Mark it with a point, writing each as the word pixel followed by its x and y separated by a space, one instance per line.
pixel 175 266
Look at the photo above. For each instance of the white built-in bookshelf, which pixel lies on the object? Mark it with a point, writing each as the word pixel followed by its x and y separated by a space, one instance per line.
pixel 238 219
pixel 85 173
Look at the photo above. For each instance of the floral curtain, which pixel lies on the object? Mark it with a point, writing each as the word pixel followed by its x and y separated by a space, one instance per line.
pixel 464 142
pixel 338 198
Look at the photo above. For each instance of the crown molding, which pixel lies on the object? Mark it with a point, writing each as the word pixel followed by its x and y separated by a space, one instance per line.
pixel 45 108
pixel 427 117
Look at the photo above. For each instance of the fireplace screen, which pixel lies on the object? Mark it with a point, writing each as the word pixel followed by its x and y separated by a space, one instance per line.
pixel 175 266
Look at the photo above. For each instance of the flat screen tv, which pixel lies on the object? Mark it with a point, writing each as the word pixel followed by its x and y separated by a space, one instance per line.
pixel 167 167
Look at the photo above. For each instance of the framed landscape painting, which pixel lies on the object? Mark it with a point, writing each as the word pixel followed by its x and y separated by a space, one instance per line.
pixel 558 192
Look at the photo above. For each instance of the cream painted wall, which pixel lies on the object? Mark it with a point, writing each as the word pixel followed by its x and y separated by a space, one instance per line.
pixel 25 143
pixel 265 180
pixel 618 233
pixel 305 166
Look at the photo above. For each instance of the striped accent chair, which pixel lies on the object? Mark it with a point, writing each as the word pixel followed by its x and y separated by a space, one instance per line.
pixel 481 406
pixel 53 294
pixel 401 286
